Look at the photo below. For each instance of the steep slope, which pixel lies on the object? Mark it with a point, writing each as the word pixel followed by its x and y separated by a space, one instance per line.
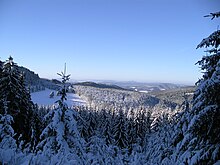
pixel 35 83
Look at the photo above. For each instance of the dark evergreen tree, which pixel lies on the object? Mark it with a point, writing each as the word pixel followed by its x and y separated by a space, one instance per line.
pixel 107 133
pixel 83 129
pixel 88 124
pixel 91 125
pixel 132 134
pixel 142 125
pixel 120 132
pixel 102 119
pixel 20 106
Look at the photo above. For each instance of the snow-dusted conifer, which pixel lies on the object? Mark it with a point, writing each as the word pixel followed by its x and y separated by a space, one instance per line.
pixel 142 124
pixel 13 91
pixel 107 133
pixel 182 121
pixel 120 132
pixel 132 134
pixel 96 149
pixel 7 142
pixel 201 144
pixel 91 125
pixel 61 137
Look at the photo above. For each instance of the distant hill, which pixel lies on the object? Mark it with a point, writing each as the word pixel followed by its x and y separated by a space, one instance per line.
pixel 145 87
pixel 175 95
pixel 99 85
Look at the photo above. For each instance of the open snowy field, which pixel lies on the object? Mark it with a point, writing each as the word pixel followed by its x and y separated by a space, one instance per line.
pixel 43 98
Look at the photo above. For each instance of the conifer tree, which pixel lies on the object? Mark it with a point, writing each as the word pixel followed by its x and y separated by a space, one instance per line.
pixel 201 144
pixel 132 134
pixel 107 133
pixel 8 145
pixel 91 125
pixel 20 106
pixel 61 136
pixel 83 127
pixel 120 132
pixel 182 121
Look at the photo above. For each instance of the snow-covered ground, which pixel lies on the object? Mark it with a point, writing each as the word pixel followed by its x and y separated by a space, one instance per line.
pixel 43 98
pixel 143 91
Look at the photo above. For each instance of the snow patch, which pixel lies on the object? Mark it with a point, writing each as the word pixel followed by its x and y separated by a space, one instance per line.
pixel 42 98
pixel 143 91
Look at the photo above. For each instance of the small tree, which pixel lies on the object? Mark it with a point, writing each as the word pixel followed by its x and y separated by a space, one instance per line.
pixel 61 136
pixel 51 94
pixel 7 142
pixel 120 132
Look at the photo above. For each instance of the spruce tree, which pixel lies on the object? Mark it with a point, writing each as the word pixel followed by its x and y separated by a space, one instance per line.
pixel 201 144
pixel 132 134
pixel 143 124
pixel 91 125
pixel 20 106
pixel 181 121
pixel 8 145
pixel 60 136
pixel 107 133
pixel 120 132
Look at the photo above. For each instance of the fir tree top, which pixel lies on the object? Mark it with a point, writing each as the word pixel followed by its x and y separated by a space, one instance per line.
pixel 63 91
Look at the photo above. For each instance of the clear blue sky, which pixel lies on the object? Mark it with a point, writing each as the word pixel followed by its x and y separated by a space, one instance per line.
pixel 140 40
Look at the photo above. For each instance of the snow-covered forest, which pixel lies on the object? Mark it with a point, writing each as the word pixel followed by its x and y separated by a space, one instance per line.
pixel 114 126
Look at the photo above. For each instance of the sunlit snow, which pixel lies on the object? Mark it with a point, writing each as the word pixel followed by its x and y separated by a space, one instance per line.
pixel 42 98
pixel 143 91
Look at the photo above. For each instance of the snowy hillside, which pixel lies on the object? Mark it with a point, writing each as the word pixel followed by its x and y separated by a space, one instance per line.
pixel 43 98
